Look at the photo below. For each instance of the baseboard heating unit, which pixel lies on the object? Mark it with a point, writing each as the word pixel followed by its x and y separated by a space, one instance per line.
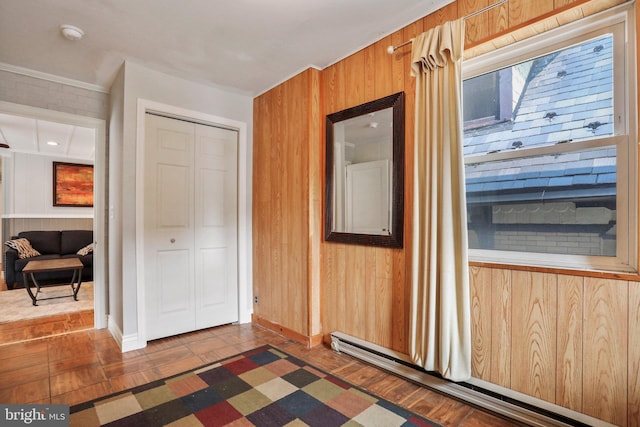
pixel 516 406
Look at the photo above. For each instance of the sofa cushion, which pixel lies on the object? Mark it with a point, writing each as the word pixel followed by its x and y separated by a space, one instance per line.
pixel 24 248
pixel 71 241
pixel 86 250
pixel 45 242
pixel 87 260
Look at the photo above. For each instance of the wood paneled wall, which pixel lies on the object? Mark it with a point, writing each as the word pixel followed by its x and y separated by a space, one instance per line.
pixel 287 204
pixel 365 288
pixel 373 290
pixel 572 340
pixel 569 340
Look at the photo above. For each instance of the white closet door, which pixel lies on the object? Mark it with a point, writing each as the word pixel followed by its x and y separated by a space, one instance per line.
pixel 216 225
pixel 190 226
pixel 168 234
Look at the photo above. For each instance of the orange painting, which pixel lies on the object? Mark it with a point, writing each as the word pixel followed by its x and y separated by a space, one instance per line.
pixel 72 184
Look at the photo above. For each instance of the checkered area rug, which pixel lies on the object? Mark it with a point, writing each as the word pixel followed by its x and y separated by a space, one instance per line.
pixel 262 387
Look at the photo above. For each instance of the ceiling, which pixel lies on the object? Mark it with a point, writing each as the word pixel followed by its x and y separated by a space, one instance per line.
pixel 247 46
pixel 33 136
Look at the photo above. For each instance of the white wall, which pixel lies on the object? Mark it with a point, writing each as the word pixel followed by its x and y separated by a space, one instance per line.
pixel 114 213
pixel 141 83
pixel 29 182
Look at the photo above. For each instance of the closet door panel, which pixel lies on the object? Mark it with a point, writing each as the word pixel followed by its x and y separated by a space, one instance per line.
pixel 191 273
pixel 216 225
pixel 168 243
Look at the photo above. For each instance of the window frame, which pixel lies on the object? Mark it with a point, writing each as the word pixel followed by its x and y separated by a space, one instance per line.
pixel 620 22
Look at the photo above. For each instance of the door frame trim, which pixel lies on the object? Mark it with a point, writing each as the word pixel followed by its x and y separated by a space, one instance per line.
pixel 244 215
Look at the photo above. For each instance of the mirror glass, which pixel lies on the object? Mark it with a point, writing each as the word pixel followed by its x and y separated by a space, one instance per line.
pixel 365 173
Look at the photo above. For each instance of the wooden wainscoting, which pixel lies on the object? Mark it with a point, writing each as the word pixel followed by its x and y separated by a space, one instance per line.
pixel 568 340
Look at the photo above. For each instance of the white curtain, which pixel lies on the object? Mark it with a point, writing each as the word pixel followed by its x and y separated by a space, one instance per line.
pixel 440 325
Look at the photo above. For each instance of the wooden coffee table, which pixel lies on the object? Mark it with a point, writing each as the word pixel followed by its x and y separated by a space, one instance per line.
pixel 34 267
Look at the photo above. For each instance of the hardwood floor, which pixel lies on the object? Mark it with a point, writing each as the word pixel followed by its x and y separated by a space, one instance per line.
pixel 81 366
pixel 24 330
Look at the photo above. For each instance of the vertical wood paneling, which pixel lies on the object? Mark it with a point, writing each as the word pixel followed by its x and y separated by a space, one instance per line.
pixel 400 309
pixel 315 180
pixel 356 276
pixel 296 213
pixel 370 294
pixel 355 285
pixel 480 293
pixel 384 312
pixel 275 233
pixel 330 294
pixel 559 4
pixel 534 334
pixel 476 28
pixel 634 355
pixel 440 16
pixel 498 19
pixel 564 339
pixel 501 329
pixel 281 194
pixel 355 82
pixel 383 84
pixel 570 342
pixel 397 64
pixel 404 53
pixel 329 86
pixel 261 195
pixel 342 322
pixel 521 11
pixel 605 350
pixel 376 296
pixel 400 312
pixel 369 74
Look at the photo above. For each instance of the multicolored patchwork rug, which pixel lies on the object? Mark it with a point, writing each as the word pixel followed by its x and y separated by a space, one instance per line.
pixel 262 387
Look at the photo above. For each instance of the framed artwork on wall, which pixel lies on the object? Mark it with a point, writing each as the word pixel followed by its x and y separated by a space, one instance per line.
pixel 72 184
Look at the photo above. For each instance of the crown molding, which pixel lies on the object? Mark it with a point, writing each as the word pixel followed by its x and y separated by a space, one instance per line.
pixel 52 78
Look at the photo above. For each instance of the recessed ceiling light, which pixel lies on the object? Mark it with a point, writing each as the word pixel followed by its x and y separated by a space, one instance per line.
pixel 71 32
pixel 55 144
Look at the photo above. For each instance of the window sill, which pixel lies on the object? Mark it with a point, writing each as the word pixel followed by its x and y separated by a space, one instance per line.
pixel 632 277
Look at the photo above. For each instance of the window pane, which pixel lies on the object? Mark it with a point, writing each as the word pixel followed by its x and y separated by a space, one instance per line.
pixel 563 96
pixel 562 203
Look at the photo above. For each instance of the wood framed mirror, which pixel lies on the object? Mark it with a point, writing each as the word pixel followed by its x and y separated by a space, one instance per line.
pixel 365 174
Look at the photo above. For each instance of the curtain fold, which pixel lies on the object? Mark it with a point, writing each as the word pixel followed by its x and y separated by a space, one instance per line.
pixel 440 324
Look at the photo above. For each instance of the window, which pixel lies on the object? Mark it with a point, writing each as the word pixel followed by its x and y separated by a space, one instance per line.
pixel 550 158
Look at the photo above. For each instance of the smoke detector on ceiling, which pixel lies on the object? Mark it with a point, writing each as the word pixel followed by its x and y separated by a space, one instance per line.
pixel 71 32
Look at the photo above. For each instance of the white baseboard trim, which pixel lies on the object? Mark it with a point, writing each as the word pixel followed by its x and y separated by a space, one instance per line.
pixel 398 363
pixel 132 342
pixel 114 330
pixel 125 342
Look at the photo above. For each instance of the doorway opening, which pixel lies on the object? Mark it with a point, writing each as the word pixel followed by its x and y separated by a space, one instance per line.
pixel 26 171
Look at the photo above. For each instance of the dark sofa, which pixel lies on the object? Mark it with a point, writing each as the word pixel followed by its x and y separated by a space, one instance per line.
pixel 51 245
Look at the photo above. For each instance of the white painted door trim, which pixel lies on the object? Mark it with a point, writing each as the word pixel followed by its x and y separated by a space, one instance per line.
pixel 244 217
pixel 100 254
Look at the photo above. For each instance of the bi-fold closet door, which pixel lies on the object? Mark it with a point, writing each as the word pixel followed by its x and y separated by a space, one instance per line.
pixel 191 222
